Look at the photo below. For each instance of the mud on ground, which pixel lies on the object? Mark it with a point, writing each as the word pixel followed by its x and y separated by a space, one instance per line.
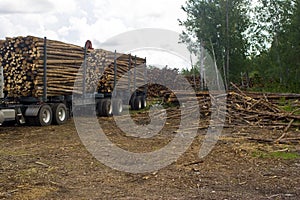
pixel 52 163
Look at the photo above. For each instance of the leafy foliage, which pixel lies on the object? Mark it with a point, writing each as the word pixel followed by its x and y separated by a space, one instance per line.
pixel 219 26
pixel 261 40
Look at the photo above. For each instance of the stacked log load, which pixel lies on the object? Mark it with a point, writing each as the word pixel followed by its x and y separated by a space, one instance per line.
pixel 22 59
pixel 100 70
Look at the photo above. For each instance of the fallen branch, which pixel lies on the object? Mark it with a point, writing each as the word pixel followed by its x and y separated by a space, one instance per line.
pixel 285 132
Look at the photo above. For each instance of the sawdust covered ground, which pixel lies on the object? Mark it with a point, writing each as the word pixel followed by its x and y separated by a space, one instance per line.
pixel 52 163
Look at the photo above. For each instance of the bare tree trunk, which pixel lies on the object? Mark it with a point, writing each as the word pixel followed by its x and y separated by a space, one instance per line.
pixel 279 61
pixel 227 45
pixel 215 65
pixel 225 74
pixel 193 70
pixel 202 70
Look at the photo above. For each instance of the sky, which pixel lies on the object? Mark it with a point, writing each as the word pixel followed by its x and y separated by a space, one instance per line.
pixel 75 21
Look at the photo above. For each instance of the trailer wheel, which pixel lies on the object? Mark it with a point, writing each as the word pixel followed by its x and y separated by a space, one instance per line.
pixel 144 101
pixel 44 117
pixel 99 109
pixel 136 103
pixel 60 113
pixel 117 107
pixel 107 109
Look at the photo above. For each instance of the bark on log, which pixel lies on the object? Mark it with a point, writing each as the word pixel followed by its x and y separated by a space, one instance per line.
pixel 22 59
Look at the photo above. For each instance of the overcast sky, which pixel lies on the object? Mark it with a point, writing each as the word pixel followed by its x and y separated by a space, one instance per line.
pixel 75 21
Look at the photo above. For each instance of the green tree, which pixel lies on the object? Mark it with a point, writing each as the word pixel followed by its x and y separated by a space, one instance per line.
pixel 220 26
pixel 291 50
pixel 276 35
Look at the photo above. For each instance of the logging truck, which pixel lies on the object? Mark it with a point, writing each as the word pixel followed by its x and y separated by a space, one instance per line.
pixel 47 94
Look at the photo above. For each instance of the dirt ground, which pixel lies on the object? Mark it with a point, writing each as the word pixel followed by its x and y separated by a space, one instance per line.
pixel 52 163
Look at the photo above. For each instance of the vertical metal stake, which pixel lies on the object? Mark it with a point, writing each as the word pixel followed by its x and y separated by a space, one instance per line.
pixel 45 71
pixel 134 81
pixel 84 72
pixel 1 82
pixel 115 69
pixel 129 74
pixel 145 78
pixel 115 75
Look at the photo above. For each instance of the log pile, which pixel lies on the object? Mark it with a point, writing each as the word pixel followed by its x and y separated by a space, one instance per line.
pixel 165 80
pixel 100 70
pixel 162 81
pixel 249 109
pixel 195 82
pixel 22 59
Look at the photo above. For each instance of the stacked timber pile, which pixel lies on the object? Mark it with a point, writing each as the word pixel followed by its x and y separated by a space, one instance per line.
pixel 22 59
pixel 165 80
pixel 162 81
pixel 101 70
pixel 196 82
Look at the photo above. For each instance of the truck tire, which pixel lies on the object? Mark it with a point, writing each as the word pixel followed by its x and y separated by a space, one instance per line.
pixel 44 117
pixel 136 103
pixel 144 101
pixel 99 109
pixel 117 107
pixel 60 113
pixel 107 109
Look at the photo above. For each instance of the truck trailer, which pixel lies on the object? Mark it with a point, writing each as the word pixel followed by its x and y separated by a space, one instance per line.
pixel 52 77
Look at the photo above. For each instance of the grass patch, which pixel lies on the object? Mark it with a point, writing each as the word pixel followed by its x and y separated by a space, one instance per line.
pixel 287 105
pixel 276 155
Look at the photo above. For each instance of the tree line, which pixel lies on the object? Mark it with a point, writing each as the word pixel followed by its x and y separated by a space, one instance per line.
pixel 254 44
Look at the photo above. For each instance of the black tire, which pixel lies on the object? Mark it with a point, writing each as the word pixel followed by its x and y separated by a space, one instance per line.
pixel 144 101
pixel 9 123
pixel 44 117
pixel 117 106
pixel 99 109
pixel 107 109
pixel 137 103
pixel 131 103
pixel 60 113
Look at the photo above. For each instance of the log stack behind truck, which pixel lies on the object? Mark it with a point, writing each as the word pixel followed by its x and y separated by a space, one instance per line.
pixel 38 78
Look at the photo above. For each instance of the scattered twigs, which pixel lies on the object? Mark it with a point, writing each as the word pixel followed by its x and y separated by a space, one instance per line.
pixel 193 163
pixel 241 108
pixel 285 132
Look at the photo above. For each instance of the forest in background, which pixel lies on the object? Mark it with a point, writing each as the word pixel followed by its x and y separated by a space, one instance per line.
pixel 255 45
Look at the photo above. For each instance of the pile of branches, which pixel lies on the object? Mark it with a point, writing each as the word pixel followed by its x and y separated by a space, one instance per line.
pixel 239 108
pixel 244 109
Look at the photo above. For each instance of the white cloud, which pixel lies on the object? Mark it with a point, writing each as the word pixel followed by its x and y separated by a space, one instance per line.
pixel 75 21
pixel 28 6
pixel 161 59
pixel 66 7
